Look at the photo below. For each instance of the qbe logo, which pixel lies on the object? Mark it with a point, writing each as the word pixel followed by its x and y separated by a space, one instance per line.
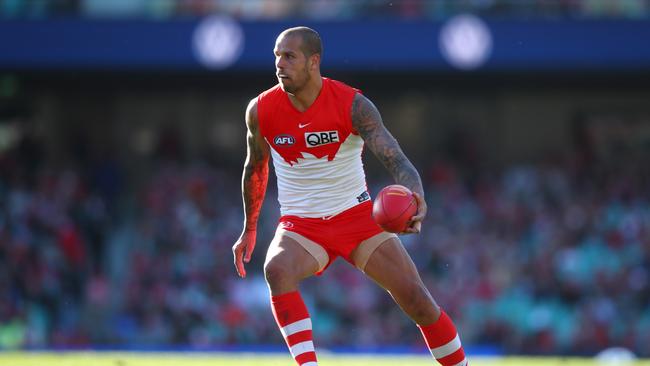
pixel 314 139
pixel 284 140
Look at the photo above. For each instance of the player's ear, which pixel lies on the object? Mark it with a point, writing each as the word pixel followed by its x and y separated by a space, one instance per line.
pixel 314 61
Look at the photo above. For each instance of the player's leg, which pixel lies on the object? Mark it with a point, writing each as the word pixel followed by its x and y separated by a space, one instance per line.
pixel 390 265
pixel 288 262
pixel 289 259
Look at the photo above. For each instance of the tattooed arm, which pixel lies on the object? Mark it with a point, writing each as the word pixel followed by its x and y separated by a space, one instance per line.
pixel 367 121
pixel 254 180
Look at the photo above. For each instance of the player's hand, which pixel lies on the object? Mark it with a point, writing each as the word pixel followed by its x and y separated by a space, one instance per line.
pixel 243 250
pixel 415 225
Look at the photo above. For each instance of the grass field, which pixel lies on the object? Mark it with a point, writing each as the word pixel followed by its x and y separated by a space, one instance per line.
pixel 244 359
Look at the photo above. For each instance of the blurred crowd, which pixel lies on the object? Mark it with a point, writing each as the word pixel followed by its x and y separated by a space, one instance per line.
pixel 326 9
pixel 544 257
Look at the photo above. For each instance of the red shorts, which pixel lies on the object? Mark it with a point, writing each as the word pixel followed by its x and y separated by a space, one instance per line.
pixel 338 235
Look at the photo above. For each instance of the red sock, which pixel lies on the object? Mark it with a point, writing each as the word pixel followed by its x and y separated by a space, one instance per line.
pixel 293 319
pixel 443 342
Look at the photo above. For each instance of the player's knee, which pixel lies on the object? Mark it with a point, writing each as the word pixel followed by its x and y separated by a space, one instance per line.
pixel 276 273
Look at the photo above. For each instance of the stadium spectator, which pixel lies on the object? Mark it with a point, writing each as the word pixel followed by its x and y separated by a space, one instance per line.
pixel 324 9
pixel 553 253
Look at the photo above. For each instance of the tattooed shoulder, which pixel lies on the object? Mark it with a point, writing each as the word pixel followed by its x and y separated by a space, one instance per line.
pixel 367 121
pixel 365 115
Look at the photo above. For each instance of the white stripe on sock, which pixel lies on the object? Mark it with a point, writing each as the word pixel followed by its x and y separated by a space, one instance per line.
pixel 295 327
pixel 310 363
pixel 462 363
pixel 300 348
pixel 447 349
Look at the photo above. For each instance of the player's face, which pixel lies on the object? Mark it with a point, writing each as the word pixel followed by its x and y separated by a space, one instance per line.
pixel 291 64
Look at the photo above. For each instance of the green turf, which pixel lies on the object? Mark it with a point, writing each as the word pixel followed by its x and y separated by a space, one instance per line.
pixel 244 359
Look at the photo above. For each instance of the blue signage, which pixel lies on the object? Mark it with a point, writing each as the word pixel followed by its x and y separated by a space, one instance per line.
pixel 219 43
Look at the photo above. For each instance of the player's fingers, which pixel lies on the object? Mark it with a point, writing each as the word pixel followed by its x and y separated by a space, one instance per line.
pixel 249 252
pixel 422 208
pixel 413 228
pixel 418 199
pixel 239 265
pixel 409 230
pixel 417 226
pixel 240 269
pixel 418 217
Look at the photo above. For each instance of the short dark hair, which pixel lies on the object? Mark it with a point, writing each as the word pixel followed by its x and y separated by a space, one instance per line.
pixel 311 43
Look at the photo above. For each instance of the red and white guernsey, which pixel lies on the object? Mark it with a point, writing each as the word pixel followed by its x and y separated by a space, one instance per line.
pixel 316 153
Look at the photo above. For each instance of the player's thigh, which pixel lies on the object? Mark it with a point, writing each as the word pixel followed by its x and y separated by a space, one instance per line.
pixel 285 254
pixel 391 266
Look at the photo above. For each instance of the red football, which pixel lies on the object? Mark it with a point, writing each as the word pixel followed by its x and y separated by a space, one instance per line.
pixel 393 208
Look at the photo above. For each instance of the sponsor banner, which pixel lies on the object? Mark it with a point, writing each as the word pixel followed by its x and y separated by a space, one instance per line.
pixel 219 44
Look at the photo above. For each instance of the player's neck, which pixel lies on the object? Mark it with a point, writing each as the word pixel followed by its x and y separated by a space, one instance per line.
pixel 303 99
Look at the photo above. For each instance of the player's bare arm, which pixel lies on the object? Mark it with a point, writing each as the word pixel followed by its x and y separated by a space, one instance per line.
pixel 254 181
pixel 367 120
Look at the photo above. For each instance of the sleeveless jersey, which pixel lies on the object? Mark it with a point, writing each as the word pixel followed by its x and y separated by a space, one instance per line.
pixel 316 153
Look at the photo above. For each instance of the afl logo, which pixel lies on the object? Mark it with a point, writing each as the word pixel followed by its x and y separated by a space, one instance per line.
pixel 284 140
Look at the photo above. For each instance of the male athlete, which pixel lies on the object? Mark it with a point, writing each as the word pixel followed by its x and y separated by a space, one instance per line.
pixel 314 128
